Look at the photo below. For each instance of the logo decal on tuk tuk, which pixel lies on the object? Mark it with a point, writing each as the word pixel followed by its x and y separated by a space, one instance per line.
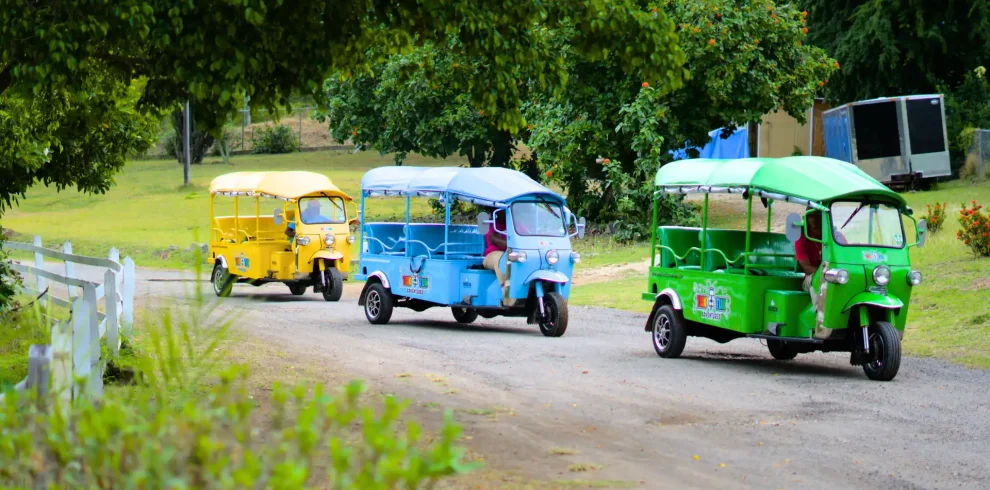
pixel 416 284
pixel 874 256
pixel 711 301
pixel 242 263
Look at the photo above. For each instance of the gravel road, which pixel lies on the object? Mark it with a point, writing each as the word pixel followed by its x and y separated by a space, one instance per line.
pixel 722 416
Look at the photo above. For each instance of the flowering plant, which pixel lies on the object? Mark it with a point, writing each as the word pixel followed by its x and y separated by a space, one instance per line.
pixel 975 231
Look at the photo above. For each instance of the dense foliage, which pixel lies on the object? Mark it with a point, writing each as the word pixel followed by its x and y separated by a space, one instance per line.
pixel 975 232
pixel 275 138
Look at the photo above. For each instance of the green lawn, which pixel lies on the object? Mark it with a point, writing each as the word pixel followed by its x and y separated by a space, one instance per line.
pixel 148 210
pixel 950 314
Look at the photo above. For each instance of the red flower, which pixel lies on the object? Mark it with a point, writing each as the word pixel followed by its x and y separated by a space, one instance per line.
pixel 804 14
pixel 607 161
pixel 711 42
pixel 805 30
pixel 646 85
pixel 966 242
pixel 549 173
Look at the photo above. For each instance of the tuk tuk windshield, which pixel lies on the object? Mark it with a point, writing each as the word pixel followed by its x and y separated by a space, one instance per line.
pixel 322 210
pixel 871 224
pixel 538 218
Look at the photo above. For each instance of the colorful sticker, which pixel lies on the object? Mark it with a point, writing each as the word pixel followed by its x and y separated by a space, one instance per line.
pixel 874 256
pixel 416 284
pixel 242 263
pixel 711 301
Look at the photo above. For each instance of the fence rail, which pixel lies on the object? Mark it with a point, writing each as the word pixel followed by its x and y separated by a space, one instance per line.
pixel 72 363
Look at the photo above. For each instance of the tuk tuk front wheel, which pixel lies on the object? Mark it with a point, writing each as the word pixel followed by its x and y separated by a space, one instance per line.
pixel 223 281
pixel 464 315
pixel 669 334
pixel 780 350
pixel 885 352
pixel 554 320
pixel 297 289
pixel 335 285
pixel 377 304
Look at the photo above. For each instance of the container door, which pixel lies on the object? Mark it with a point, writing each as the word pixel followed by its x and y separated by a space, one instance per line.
pixel 836 125
pixel 928 150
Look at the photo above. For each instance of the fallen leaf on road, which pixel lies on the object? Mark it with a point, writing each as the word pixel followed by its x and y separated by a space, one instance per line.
pixel 722 465
pixel 696 457
pixel 584 372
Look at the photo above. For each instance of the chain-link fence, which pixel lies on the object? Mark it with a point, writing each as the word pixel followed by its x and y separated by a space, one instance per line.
pixel 310 133
pixel 977 163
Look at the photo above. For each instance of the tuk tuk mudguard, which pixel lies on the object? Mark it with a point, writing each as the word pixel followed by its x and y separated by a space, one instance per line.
pixel 546 276
pixel 373 278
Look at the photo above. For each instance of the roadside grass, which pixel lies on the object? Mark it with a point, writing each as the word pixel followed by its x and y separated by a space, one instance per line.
pixel 949 315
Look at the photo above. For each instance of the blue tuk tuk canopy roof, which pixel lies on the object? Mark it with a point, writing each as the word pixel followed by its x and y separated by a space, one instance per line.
pixel 815 179
pixel 485 185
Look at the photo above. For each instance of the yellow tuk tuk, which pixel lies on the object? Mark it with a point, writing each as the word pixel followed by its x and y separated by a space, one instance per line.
pixel 304 241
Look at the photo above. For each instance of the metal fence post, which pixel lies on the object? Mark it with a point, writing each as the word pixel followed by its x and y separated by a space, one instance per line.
pixel 70 269
pixel 127 295
pixel 39 263
pixel 110 289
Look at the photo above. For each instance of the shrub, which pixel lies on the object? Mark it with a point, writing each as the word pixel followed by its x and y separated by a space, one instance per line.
pixel 275 139
pixel 9 280
pixel 935 217
pixel 975 231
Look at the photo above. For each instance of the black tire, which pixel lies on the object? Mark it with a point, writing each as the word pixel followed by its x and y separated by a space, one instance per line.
pixel 669 333
pixel 464 315
pixel 335 285
pixel 297 289
pixel 780 350
pixel 487 314
pixel 377 304
pixel 885 352
pixel 223 281
pixel 554 322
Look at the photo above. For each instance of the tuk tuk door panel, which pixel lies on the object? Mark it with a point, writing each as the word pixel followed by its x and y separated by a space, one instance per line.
pixel 436 280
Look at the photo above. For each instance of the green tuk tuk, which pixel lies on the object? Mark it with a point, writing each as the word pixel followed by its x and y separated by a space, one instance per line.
pixel 725 284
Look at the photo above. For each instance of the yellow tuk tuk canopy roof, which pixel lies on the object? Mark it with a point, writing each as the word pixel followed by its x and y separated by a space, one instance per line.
pixel 290 185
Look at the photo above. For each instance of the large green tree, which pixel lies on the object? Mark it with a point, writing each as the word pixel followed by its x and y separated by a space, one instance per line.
pixel 74 62
pixel 899 47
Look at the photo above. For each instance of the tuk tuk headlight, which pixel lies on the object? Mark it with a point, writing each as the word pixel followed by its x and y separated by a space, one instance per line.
pixel 575 257
pixel 914 278
pixel 516 256
pixel 552 257
pixel 303 240
pixel 329 239
pixel 881 275
pixel 837 276
pixel 351 239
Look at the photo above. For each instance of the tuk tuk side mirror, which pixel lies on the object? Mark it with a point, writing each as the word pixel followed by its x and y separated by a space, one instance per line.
pixel 278 216
pixel 922 232
pixel 483 222
pixel 581 223
pixel 794 227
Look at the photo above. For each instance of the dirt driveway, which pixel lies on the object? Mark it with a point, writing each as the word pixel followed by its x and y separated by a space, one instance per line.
pixel 723 416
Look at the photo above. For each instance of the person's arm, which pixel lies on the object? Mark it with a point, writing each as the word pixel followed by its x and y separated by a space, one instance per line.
pixel 803 257
pixel 807 267
pixel 498 239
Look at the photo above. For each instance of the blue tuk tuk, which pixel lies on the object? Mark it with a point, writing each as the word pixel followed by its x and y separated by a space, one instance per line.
pixel 425 265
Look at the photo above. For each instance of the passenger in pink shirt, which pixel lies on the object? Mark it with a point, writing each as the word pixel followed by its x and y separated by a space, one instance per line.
pixel 495 246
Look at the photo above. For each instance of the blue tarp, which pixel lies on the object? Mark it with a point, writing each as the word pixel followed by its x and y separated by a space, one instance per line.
pixel 733 147
pixel 486 184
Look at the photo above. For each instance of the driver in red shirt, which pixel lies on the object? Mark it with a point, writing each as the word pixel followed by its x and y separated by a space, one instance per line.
pixel 809 257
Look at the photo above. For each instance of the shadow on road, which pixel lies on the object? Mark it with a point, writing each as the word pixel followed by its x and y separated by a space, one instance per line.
pixel 764 365
pixel 480 327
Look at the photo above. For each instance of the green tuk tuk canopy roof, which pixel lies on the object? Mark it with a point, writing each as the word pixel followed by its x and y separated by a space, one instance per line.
pixel 814 179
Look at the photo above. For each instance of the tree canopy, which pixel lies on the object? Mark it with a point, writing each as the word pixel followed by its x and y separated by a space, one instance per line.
pixel 83 65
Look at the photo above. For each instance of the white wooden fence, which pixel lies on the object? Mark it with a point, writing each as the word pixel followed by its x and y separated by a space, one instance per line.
pixel 73 359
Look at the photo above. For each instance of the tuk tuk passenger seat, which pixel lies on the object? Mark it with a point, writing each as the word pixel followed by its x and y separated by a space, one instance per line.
pixel 385 238
pixel 679 240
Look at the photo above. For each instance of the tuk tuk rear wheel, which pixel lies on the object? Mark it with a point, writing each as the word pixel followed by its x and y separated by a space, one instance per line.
pixel 377 304
pixel 223 281
pixel 297 289
pixel 885 352
pixel 554 321
pixel 669 333
pixel 464 315
pixel 335 285
pixel 780 350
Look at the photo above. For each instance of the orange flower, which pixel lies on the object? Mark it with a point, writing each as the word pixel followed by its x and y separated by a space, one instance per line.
pixel 718 15
pixel 646 85
pixel 549 173
pixel 821 84
pixel 607 161
pixel 774 16
pixel 481 113
pixel 804 14
pixel 711 42
pixel 966 242
pixel 836 64
pixel 805 30
pixel 694 30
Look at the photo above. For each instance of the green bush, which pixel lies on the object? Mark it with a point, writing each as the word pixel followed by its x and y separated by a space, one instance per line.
pixel 275 139
pixel 9 280
pixel 187 423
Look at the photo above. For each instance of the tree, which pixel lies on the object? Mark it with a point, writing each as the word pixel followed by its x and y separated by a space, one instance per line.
pixel 746 59
pixel 899 47
pixel 267 49
pixel 200 141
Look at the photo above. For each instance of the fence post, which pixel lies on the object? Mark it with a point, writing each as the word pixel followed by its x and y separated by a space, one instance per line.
pixel 39 263
pixel 81 366
pixel 112 302
pixel 127 295
pixel 62 359
pixel 70 268
pixel 94 384
pixel 39 364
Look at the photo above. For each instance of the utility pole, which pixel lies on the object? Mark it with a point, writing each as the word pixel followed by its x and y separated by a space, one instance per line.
pixel 185 144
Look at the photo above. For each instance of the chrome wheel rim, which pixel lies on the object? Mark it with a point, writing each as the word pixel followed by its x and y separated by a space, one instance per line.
pixel 218 280
pixel 661 332
pixel 373 304
pixel 877 349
